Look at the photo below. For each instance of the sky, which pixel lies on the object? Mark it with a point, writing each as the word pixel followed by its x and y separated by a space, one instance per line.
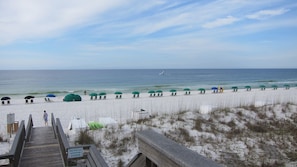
pixel 147 34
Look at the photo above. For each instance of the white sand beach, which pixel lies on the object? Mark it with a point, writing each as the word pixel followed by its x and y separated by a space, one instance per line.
pixel 121 109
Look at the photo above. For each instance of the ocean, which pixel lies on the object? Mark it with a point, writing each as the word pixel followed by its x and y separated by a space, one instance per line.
pixel 61 82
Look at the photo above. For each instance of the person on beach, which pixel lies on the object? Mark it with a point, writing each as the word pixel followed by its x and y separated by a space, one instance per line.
pixel 45 118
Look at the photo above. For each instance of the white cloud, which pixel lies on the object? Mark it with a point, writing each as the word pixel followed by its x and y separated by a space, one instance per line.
pixel 267 13
pixel 220 22
pixel 32 18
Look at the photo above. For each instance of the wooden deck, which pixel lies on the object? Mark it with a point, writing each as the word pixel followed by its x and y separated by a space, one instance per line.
pixel 42 149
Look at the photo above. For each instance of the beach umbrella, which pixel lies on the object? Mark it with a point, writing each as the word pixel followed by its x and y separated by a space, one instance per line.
pixel 262 87
pixel 235 88
pixel 151 92
pixel 287 86
pixel 93 94
pixel 135 93
pixel 29 97
pixel 160 92
pixel 50 95
pixel 102 94
pixel 215 89
pixel 248 88
pixel 72 97
pixel 202 90
pixel 274 87
pixel 173 92
pixel 118 94
pixel 5 98
pixel 187 90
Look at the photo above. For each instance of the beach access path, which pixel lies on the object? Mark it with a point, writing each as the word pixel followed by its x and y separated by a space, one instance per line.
pixel 43 149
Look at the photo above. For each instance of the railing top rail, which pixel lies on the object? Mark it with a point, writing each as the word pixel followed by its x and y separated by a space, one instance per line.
pixel 62 134
pixel 98 156
pixel 29 127
pixel 17 137
pixel 53 124
pixel 174 151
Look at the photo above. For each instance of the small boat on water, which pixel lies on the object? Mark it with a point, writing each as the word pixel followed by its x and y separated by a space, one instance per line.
pixel 162 72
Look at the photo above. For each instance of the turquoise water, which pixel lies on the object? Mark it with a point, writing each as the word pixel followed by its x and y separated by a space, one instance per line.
pixel 41 82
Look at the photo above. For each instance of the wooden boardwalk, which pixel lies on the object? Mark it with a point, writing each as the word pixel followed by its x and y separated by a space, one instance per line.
pixel 42 149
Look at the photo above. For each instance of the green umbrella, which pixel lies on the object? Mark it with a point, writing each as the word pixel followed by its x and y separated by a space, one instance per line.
pixel 187 91
pixel 274 87
pixel 173 92
pixel 202 90
pixel 135 93
pixel 118 94
pixel 160 92
pixel 262 87
pixel 151 91
pixel 235 88
pixel 287 86
pixel 248 88
pixel 93 94
pixel 102 94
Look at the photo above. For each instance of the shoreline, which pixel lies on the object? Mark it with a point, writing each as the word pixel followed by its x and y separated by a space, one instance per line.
pixel 121 109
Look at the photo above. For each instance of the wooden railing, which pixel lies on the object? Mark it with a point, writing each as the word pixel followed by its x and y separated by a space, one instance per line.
pixel 29 128
pixel 64 145
pixel 17 146
pixel 89 152
pixel 161 151
pixel 54 124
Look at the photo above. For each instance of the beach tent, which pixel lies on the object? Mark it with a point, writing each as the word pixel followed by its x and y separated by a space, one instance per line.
pixel 93 95
pixel 102 94
pixel 202 90
pixel 152 92
pixel 3 99
pixel 160 92
pixel 72 97
pixel 118 94
pixel 187 91
pixel 77 125
pixel 135 94
pixel 173 92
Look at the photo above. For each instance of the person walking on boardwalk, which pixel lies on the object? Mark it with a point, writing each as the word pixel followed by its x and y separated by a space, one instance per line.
pixel 45 118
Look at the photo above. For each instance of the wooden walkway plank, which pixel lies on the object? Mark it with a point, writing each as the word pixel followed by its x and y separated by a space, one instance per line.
pixel 42 149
